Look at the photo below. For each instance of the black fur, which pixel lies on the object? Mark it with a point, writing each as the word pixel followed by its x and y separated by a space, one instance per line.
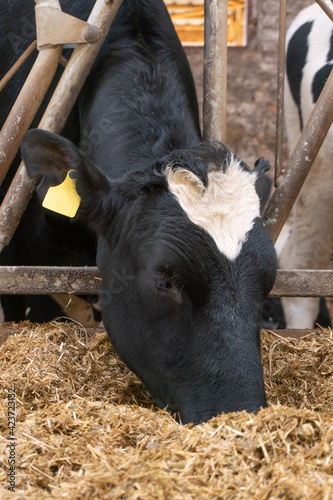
pixel 263 182
pixel 330 51
pixel 181 315
pixel 319 81
pixel 296 58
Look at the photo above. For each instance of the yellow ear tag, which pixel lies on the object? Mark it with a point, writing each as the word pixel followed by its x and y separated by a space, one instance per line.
pixel 64 198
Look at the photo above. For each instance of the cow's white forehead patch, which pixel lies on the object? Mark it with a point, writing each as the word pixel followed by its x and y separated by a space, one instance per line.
pixel 226 209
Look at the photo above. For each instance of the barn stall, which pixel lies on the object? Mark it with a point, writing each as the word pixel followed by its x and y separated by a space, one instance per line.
pixel 86 427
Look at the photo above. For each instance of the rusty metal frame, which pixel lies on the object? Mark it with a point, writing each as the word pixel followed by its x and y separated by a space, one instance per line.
pixel 49 280
pixel 40 280
pixel 215 70
pixel 87 280
pixel 288 186
pixel 301 161
pixel 21 60
pixel 56 114
pixel 28 102
pixel 280 93
pixel 327 7
pixel 66 30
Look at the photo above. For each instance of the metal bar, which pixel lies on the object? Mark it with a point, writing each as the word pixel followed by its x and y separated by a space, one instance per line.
pixel 48 280
pixel 303 283
pixel 87 280
pixel 66 29
pixel 327 7
pixel 300 161
pixel 28 101
pixel 56 114
pixel 63 61
pixel 280 93
pixel 16 66
pixel 26 105
pixel 215 70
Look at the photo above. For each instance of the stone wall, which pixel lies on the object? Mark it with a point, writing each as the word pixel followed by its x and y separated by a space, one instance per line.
pixel 266 19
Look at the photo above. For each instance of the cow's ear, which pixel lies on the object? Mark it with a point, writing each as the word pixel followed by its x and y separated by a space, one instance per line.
pixel 263 182
pixel 51 157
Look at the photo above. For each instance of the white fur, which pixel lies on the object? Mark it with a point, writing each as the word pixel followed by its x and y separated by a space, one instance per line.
pixel 226 209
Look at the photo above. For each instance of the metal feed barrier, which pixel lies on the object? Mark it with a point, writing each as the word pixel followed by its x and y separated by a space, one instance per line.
pixel 55 28
pixel 50 37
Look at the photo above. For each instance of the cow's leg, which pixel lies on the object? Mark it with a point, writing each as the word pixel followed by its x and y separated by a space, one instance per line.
pixel 311 241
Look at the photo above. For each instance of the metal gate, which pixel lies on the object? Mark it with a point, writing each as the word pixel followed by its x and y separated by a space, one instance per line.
pixel 55 28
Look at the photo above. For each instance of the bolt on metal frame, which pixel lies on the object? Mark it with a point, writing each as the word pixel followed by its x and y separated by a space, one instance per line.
pixel 87 280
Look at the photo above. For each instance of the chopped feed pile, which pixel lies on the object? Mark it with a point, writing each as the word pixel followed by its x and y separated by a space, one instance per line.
pixel 87 429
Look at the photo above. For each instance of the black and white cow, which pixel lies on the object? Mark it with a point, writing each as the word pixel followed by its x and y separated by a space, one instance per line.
pixel 309 62
pixel 185 260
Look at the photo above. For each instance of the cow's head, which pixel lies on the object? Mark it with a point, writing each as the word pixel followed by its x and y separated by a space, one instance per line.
pixel 186 264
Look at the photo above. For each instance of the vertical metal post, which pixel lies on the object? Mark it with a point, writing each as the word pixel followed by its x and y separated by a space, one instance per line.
pixel 215 70
pixel 280 93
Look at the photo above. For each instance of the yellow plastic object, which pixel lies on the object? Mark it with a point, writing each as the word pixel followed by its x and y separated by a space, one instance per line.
pixel 64 198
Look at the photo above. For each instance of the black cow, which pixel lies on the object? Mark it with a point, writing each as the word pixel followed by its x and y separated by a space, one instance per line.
pixel 184 256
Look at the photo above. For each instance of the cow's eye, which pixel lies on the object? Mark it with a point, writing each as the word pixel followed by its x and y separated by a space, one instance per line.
pixel 165 294
pixel 166 287
pixel 163 284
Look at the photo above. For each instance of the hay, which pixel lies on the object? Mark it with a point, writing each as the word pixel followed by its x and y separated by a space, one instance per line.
pixel 299 372
pixel 87 428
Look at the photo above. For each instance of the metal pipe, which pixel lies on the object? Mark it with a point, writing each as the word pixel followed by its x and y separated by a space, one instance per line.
pixel 327 7
pixel 49 280
pixel 215 70
pixel 303 283
pixel 87 280
pixel 16 66
pixel 56 114
pixel 26 105
pixel 280 93
pixel 28 101
pixel 63 61
pixel 77 69
pixel 300 161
